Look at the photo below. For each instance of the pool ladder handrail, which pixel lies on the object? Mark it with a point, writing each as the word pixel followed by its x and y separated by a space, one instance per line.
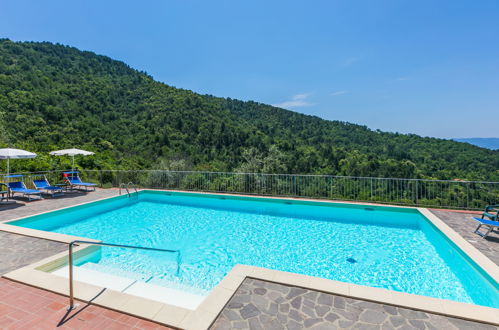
pixel 75 242
pixel 126 186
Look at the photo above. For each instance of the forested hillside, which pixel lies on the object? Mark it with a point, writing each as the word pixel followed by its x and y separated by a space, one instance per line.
pixel 54 97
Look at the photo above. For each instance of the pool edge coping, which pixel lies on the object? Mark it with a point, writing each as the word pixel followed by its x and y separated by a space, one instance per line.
pixel 212 306
pixel 207 312
pixel 51 236
pixel 467 248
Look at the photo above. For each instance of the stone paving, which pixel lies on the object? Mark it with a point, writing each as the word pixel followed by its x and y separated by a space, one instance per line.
pixel 463 224
pixel 264 305
pixel 23 208
pixel 17 251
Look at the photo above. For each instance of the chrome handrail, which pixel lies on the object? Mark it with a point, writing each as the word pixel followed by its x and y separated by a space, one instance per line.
pixel 71 291
pixel 126 186
pixel 134 186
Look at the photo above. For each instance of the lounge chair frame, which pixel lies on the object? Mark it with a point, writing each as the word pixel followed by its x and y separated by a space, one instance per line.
pixel 489 224
pixel 23 190
pixel 491 212
pixel 4 192
pixel 73 180
pixel 53 191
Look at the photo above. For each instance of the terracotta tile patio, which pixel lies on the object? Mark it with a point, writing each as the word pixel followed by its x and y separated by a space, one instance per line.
pixel 25 307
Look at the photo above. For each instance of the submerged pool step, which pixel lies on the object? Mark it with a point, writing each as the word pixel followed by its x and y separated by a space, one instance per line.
pixel 109 281
pixel 133 287
pixel 165 295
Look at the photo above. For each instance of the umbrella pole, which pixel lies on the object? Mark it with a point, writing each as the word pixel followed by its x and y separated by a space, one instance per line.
pixel 7 178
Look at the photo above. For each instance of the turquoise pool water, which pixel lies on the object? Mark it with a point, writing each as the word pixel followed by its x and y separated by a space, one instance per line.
pixel 392 248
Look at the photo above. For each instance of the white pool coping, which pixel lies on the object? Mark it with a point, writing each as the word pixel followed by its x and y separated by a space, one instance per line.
pixel 204 315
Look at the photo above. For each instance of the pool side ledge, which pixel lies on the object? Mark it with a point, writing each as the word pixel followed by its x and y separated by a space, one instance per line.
pixel 206 313
pixel 36 275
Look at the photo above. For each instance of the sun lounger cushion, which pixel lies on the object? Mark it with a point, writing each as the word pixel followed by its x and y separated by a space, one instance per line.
pixel 21 188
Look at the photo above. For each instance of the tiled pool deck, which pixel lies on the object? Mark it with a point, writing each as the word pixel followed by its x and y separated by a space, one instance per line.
pixel 25 307
pixel 255 305
pixel 462 223
pixel 23 208
pixel 263 305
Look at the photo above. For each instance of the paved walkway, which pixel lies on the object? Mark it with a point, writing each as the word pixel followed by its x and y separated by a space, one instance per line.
pixel 17 251
pixel 263 305
pixel 465 226
pixel 25 307
pixel 23 208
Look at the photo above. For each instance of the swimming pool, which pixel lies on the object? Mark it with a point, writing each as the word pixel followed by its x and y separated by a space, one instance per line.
pixel 392 248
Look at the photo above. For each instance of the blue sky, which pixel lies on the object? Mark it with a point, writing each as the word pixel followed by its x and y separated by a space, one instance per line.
pixel 424 67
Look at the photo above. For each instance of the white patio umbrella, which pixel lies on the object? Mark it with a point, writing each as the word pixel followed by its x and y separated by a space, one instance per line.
pixel 71 152
pixel 10 153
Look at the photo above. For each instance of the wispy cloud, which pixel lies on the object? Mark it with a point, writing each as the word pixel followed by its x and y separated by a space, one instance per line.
pixel 350 61
pixel 296 101
pixel 339 93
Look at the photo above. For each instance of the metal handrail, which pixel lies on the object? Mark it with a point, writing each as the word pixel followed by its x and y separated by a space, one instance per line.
pixel 134 186
pixel 71 291
pixel 127 187
pixel 124 186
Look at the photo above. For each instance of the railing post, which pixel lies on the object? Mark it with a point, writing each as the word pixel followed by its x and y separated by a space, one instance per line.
pixel 71 291
pixel 118 174
pixel 416 192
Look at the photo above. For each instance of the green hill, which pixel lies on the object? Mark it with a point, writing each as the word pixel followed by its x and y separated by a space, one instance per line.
pixel 53 96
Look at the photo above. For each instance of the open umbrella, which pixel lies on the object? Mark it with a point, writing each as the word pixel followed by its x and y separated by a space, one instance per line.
pixel 71 152
pixel 8 153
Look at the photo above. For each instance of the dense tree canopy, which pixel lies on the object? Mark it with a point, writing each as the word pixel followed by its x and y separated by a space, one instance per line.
pixel 54 96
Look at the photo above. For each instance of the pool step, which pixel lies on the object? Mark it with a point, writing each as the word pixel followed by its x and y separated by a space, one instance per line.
pixel 133 287
pixel 109 281
pixel 165 295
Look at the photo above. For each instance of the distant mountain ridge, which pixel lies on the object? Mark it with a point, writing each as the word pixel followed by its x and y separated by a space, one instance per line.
pixel 489 143
pixel 56 97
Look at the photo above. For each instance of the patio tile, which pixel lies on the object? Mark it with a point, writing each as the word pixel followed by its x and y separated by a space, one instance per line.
pixel 340 312
pixel 31 308
pixel 462 223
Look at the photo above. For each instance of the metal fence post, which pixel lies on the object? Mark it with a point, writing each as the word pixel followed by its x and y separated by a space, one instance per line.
pixel 416 195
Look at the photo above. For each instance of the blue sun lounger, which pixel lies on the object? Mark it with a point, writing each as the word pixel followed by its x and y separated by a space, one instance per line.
pixel 20 188
pixel 73 180
pixel 492 213
pixel 43 184
pixel 489 224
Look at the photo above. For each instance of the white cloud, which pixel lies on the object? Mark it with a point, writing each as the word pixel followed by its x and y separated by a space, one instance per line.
pixel 349 61
pixel 296 101
pixel 339 93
